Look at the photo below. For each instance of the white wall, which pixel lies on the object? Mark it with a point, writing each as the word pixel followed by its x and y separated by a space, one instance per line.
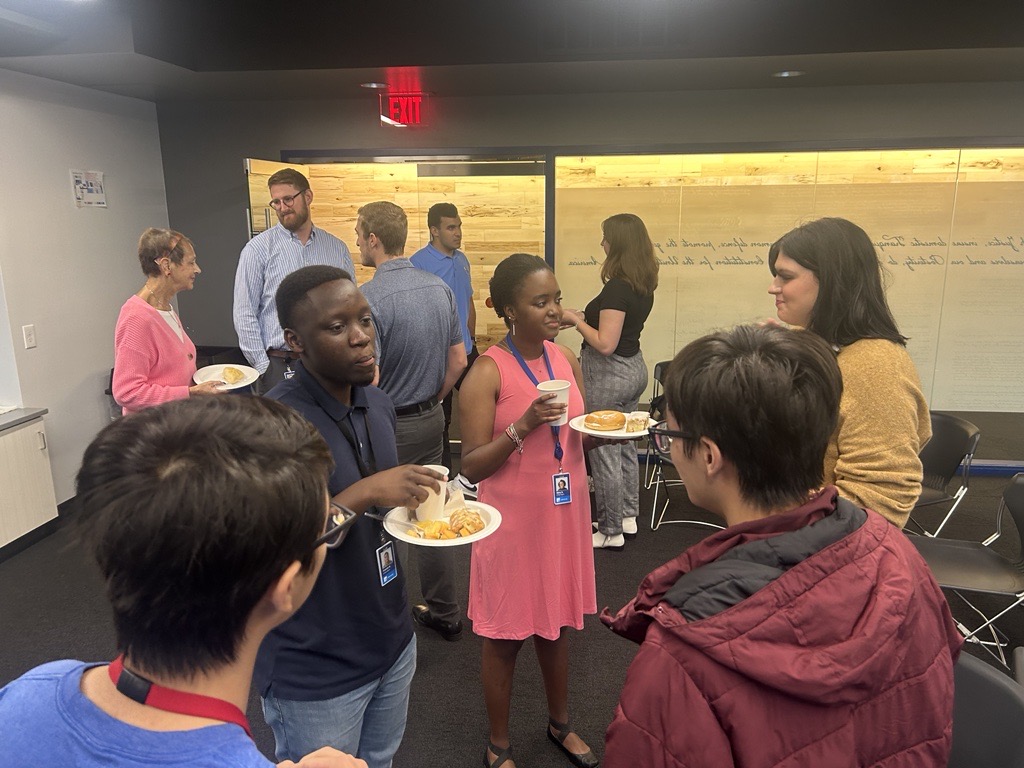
pixel 64 269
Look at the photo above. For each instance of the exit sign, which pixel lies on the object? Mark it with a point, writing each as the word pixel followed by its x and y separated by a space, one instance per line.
pixel 403 110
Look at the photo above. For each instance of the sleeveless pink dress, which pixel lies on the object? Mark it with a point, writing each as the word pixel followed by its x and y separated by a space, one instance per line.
pixel 535 574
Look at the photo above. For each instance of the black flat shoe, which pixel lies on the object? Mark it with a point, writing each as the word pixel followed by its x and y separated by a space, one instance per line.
pixel 446 629
pixel 587 760
pixel 502 755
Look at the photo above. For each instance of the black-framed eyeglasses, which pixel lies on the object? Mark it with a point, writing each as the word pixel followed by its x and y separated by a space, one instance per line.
pixel 662 436
pixel 339 520
pixel 286 201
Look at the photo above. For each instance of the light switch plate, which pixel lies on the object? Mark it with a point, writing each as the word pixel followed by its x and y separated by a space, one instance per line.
pixel 28 332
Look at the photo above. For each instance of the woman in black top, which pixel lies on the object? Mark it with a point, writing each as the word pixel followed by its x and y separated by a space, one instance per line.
pixel 614 371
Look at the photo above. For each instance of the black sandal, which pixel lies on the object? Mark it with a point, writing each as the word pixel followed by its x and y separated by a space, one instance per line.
pixel 501 755
pixel 587 760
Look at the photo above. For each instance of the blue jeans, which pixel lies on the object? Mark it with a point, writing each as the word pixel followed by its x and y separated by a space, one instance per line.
pixel 368 722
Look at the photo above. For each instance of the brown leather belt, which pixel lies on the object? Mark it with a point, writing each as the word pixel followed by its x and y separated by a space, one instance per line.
pixel 411 410
pixel 283 354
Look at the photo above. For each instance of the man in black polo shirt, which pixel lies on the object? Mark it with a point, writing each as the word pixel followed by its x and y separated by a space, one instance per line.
pixel 339 671
pixel 421 356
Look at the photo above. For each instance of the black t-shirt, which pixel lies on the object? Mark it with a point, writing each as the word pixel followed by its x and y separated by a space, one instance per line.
pixel 617 294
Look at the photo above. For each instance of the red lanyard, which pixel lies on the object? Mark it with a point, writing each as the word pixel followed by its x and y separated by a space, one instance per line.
pixel 138 688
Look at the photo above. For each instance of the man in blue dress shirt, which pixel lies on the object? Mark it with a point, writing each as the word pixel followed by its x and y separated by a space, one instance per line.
pixel 443 258
pixel 265 261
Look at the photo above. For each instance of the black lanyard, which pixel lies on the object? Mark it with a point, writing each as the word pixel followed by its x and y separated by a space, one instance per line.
pixel 522 364
pixel 366 468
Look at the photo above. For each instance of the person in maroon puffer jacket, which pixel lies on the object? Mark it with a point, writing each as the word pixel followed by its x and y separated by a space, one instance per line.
pixel 807 632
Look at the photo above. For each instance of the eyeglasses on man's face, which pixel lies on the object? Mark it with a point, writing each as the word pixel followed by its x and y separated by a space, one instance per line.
pixel 339 520
pixel 662 436
pixel 286 201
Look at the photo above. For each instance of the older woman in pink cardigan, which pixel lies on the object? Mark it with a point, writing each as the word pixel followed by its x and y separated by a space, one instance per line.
pixel 154 358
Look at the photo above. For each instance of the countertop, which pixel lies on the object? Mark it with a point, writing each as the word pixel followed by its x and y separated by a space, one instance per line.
pixel 20 416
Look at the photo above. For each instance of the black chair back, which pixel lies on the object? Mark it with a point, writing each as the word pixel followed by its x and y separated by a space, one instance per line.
pixel 657 409
pixel 988 709
pixel 954 441
pixel 1013 501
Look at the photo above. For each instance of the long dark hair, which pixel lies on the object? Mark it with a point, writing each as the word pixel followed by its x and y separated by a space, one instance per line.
pixel 851 301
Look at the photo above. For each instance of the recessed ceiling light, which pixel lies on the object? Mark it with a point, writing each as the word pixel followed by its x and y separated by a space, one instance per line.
pixel 788 73
pixel 374 86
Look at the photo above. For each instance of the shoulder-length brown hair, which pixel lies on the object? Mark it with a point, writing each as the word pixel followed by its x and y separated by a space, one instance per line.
pixel 630 253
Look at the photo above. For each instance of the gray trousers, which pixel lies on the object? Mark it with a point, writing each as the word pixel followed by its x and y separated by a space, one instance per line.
pixel 614 383
pixel 419 442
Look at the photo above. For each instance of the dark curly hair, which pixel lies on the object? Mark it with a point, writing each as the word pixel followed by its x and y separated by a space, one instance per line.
pixel 509 277
pixel 295 288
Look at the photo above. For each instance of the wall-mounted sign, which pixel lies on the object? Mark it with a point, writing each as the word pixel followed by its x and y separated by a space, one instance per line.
pixel 87 187
pixel 403 110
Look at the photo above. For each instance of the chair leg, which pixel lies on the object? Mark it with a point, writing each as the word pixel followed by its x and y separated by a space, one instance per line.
pixel 999 640
pixel 956 502
pixel 654 504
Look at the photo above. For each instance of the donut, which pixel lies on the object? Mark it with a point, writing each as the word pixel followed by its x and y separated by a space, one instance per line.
pixel 605 421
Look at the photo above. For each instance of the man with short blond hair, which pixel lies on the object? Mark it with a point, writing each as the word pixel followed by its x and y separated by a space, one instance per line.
pixel 421 355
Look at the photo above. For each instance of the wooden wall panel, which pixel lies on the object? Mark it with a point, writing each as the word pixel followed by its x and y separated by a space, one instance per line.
pixel 944 222
pixel 500 215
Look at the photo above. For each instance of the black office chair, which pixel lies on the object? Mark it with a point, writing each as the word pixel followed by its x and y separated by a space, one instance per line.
pixel 657 413
pixel 655 473
pixel 970 566
pixel 988 709
pixel 954 441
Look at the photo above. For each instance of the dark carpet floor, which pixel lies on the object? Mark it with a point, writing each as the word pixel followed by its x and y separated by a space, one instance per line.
pixel 52 606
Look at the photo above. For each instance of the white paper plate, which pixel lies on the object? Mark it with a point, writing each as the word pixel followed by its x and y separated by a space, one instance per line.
pixel 615 434
pixel 215 372
pixel 490 516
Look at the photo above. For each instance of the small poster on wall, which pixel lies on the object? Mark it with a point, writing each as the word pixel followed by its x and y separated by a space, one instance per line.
pixel 88 189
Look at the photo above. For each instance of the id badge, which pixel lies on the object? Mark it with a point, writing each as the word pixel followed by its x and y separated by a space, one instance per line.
pixel 386 563
pixel 561 488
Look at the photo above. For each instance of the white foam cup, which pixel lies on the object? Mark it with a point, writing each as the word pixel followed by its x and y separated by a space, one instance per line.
pixel 433 507
pixel 561 389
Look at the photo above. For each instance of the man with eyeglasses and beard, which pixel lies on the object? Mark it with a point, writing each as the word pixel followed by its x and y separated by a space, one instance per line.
pixel 809 631
pixel 265 261
pixel 339 672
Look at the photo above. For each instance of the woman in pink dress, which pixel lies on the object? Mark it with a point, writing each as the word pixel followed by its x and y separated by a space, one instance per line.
pixel 534 577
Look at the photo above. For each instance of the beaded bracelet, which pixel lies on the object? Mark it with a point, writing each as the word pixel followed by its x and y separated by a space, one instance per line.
pixel 510 432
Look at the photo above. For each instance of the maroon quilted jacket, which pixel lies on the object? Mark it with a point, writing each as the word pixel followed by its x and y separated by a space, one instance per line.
pixel 761 647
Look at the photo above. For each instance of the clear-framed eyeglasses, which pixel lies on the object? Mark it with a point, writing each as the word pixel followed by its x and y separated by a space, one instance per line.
pixel 339 520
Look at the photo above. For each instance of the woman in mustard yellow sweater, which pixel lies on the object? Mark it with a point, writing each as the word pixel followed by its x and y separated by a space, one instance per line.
pixel 827 279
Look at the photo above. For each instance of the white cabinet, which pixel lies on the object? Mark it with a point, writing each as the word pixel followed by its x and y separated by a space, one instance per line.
pixel 26 485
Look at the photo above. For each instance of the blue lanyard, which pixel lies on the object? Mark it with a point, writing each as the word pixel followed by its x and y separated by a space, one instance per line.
pixel 522 364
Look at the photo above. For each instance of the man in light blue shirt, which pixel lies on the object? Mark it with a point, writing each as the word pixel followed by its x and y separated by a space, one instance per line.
pixel 443 258
pixel 266 260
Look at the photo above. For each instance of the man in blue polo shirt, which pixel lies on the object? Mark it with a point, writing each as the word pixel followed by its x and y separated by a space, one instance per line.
pixel 443 258
pixel 421 355
pixel 339 671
